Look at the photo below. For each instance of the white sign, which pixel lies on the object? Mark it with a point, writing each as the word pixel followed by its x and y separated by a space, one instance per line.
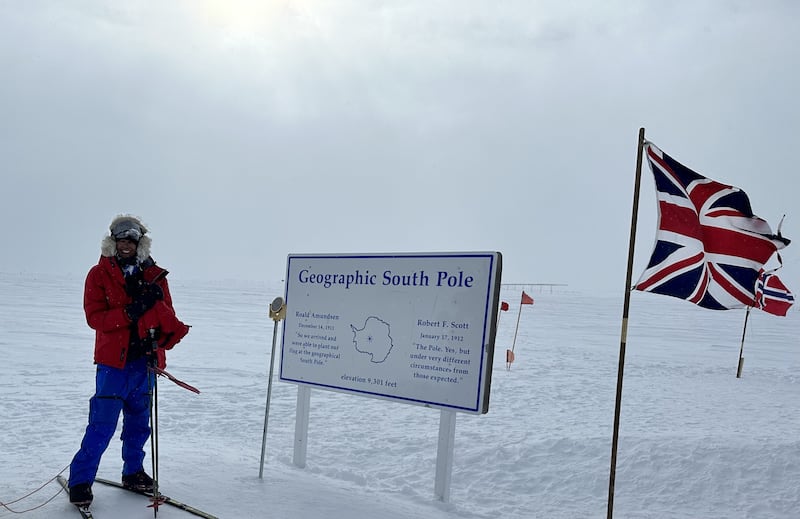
pixel 417 328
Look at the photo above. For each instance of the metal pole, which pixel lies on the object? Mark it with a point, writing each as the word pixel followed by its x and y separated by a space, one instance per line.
pixel 153 385
pixel 277 311
pixel 514 342
pixel 269 395
pixel 741 348
pixel 624 333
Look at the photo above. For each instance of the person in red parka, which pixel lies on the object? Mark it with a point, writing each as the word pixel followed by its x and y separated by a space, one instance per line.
pixel 128 303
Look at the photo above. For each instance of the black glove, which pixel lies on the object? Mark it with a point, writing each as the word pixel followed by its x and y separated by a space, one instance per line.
pixel 144 301
pixel 152 292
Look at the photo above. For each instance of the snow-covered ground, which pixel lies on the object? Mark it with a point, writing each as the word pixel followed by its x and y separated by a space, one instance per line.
pixel 695 441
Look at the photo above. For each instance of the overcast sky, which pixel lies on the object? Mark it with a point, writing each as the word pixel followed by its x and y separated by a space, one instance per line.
pixel 243 131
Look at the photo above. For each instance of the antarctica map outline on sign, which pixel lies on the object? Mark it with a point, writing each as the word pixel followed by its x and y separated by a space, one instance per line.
pixel 376 339
pixel 415 328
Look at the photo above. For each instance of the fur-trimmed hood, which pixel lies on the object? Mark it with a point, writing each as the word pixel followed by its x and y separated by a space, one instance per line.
pixel 108 247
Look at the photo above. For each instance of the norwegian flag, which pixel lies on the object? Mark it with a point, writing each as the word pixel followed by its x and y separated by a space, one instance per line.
pixel 772 296
pixel 710 247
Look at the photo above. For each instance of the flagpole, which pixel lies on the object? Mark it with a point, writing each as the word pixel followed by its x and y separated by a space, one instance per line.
pixel 517 328
pixel 508 352
pixel 499 313
pixel 741 348
pixel 624 332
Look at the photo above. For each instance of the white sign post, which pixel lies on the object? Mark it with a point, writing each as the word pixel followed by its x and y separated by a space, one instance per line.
pixel 444 455
pixel 417 328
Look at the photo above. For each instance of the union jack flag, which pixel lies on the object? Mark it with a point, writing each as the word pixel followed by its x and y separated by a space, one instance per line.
pixel 710 247
pixel 772 296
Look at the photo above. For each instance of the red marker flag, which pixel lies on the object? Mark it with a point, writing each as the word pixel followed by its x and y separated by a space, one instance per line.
pixel 526 299
pixel 503 306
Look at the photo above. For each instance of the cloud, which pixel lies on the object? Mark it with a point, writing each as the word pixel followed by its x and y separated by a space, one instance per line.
pixel 244 131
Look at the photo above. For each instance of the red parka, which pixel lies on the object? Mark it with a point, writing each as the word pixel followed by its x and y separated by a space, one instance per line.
pixel 104 301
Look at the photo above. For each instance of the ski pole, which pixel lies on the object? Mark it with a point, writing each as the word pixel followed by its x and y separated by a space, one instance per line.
pixel 277 311
pixel 153 379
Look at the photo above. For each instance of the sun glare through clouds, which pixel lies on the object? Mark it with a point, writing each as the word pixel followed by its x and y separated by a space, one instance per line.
pixel 241 21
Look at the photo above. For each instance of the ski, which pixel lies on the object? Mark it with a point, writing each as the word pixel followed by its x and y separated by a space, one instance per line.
pixel 83 510
pixel 161 497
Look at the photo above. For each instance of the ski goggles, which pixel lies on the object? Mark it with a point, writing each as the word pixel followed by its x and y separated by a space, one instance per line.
pixel 127 230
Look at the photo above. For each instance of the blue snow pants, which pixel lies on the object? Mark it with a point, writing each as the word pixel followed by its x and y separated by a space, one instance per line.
pixel 125 390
